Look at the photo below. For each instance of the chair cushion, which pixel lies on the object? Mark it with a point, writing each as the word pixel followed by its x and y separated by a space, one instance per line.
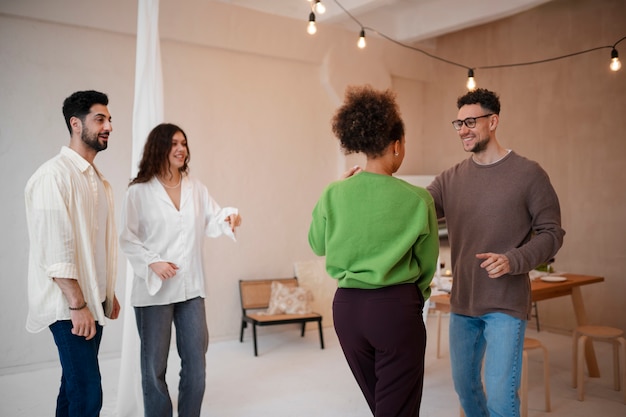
pixel 289 300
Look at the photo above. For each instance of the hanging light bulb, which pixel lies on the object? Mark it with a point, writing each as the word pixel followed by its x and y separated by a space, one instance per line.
pixel 471 83
pixel 361 43
pixel 319 7
pixel 311 29
pixel 615 63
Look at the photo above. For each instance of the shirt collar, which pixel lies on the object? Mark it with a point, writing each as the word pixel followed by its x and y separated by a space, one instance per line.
pixel 80 162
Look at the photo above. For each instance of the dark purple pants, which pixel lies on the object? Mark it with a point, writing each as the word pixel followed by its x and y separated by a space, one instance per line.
pixel 383 338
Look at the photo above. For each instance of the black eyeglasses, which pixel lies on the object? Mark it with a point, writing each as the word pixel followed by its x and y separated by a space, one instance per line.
pixel 469 122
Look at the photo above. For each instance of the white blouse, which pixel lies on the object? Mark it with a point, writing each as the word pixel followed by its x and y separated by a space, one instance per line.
pixel 155 231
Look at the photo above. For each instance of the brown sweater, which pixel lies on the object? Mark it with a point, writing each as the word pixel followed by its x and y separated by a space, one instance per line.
pixel 497 208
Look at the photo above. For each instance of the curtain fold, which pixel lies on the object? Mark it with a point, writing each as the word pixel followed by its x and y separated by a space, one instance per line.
pixel 147 113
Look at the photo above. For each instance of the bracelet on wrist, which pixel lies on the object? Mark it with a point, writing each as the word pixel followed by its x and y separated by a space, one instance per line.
pixel 79 307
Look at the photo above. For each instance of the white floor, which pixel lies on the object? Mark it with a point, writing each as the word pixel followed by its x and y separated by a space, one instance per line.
pixel 292 377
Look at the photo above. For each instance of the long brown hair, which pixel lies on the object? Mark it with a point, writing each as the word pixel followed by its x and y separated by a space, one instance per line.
pixel 155 158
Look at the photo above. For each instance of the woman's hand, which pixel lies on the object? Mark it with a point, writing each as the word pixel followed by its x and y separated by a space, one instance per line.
pixel 164 270
pixel 234 220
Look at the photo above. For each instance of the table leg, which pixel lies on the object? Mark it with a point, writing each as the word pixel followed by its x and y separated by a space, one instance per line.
pixel 581 320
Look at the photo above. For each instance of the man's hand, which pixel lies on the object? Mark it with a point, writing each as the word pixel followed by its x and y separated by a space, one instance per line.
pixel 83 323
pixel 115 312
pixel 495 264
pixel 352 171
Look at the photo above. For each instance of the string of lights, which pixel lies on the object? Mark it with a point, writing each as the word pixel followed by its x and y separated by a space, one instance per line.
pixel 317 6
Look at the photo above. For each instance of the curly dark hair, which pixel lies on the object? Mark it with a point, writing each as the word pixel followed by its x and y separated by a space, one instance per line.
pixel 488 100
pixel 79 104
pixel 368 121
pixel 155 158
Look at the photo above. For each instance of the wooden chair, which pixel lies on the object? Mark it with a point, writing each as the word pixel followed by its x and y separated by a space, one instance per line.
pixel 612 335
pixel 441 306
pixel 535 314
pixel 255 297
pixel 530 344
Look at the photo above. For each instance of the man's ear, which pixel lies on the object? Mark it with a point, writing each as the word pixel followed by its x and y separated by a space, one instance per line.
pixel 76 124
pixel 493 123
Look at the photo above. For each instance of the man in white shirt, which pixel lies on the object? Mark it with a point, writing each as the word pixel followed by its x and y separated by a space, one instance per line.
pixel 73 253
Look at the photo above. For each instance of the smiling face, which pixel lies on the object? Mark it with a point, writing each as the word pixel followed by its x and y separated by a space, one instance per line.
pixel 477 138
pixel 96 128
pixel 178 152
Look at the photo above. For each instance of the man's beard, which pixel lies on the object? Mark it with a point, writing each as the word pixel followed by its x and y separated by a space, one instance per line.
pixel 91 140
pixel 480 145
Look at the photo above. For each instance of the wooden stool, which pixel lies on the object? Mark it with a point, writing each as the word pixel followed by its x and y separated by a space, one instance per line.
pixel 530 344
pixel 608 334
pixel 441 305
pixel 440 310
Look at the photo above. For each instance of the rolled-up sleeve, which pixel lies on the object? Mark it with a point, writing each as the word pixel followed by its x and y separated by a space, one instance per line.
pixel 52 227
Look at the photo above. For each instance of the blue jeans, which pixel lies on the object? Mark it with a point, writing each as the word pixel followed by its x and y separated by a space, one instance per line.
pixel 80 394
pixel 154 324
pixel 499 338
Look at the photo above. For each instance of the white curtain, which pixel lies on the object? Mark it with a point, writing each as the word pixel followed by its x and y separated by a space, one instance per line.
pixel 147 113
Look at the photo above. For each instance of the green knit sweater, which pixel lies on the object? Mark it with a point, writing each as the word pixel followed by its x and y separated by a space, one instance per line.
pixel 376 231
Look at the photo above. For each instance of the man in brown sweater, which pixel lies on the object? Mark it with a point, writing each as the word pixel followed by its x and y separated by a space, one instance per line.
pixel 503 218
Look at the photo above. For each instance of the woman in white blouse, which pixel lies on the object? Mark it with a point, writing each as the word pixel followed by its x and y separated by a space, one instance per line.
pixel 166 216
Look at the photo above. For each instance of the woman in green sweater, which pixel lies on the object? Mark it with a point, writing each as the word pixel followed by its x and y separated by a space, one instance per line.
pixel 380 238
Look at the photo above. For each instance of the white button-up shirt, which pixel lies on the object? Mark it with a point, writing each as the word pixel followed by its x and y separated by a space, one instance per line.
pixel 155 231
pixel 64 212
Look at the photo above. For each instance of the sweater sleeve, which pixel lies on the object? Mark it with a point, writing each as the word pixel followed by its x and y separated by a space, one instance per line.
pixel 547 239
pixel 435 191
pixel 317 229
pixel 426 250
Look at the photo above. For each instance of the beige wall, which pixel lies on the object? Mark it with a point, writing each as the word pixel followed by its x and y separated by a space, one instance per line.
pixel 255 95
pixel 569 116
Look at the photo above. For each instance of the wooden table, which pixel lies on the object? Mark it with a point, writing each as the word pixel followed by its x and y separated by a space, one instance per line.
pixel 541 290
